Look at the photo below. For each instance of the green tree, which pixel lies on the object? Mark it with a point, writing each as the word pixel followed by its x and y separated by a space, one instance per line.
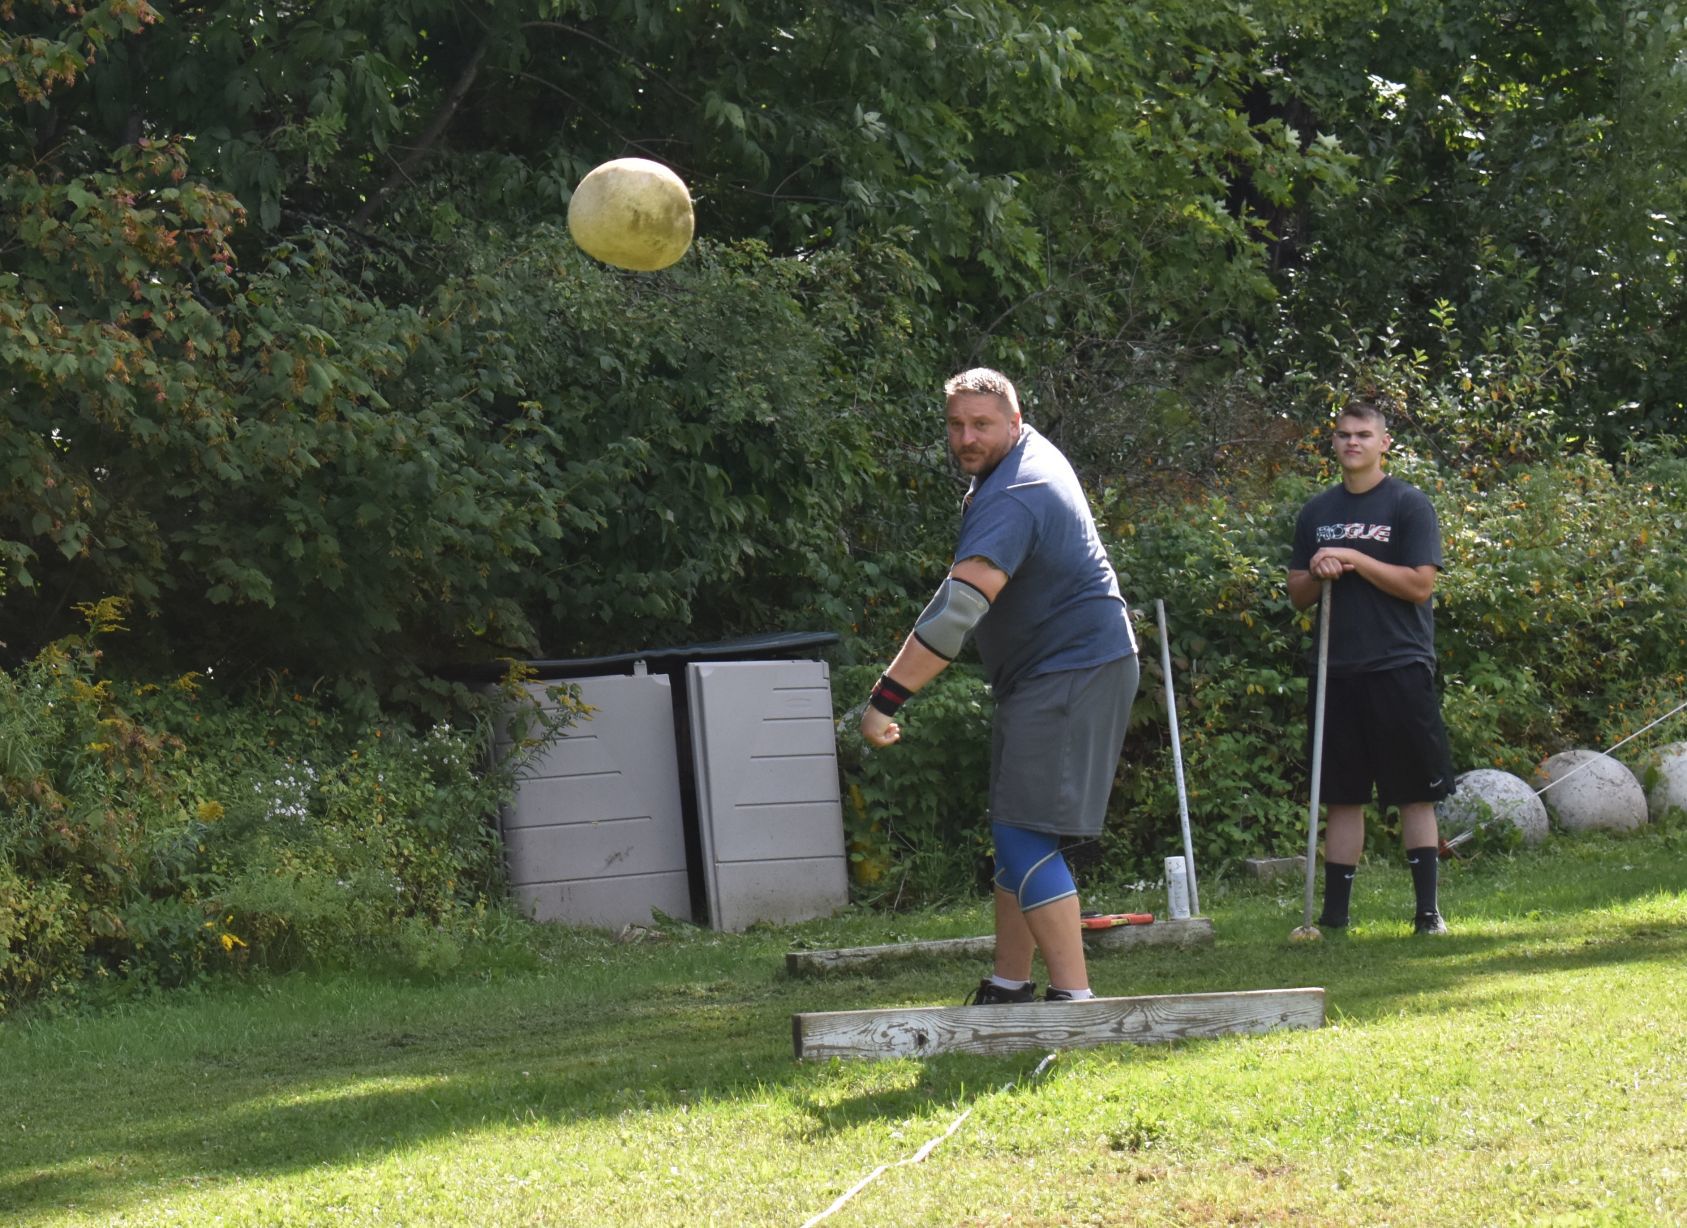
pixel 304 367
pixel 1520 163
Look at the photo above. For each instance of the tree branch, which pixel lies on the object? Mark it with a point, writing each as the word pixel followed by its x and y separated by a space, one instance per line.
pixel 644 69
pixel 436 129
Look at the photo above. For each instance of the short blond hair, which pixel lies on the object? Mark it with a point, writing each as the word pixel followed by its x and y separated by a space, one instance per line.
pixel 986 381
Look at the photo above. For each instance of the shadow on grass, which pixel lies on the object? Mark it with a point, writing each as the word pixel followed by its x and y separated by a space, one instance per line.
pixel 301 1103
pixel 106 1138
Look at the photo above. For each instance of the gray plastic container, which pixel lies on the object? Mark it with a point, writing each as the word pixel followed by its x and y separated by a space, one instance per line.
pixel 704 785
pixel 596 834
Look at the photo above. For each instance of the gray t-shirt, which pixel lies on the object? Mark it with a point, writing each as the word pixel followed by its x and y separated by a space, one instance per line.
pixel 1393 522
pixel 1061 608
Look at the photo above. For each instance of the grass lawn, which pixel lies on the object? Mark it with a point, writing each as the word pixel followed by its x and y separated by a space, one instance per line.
pixel 1529 1069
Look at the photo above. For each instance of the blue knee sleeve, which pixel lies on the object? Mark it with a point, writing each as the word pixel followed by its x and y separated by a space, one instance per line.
pixel 1031 866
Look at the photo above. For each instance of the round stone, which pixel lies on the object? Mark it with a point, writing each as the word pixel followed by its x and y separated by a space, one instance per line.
pixel 1665 774
pixel 1488 795
pixel 1597 792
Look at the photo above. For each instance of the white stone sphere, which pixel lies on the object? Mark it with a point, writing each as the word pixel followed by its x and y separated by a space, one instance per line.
pixel 1603 794
pixel 1667 770
pixel 632 213
pixel 1486 795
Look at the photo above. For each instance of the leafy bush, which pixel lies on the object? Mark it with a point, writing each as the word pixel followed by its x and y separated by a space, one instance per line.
pixel 1561 604
pixel 915 814
pixel 151 835
pixel 88 814
pixel 1235 644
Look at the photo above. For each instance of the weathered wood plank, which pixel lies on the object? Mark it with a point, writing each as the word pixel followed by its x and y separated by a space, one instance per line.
pixel 853 959
pixel 1268 868
pixel 1031 1026
pixel 1186 932
pixel 1171 932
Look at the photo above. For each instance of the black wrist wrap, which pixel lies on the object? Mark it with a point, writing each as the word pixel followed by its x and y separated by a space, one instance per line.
pixel 888 695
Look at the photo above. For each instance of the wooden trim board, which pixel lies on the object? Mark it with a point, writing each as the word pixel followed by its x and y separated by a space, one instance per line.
pixel 1187 932
pixel 1032 1026
pixel 1172 932
pixel 853 959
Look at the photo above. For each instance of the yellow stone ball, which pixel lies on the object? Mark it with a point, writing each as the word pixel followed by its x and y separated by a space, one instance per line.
pixel 632 213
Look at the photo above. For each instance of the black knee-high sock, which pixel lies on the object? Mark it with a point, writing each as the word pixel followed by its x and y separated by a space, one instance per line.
pixel 1338 892
pixel 1426 867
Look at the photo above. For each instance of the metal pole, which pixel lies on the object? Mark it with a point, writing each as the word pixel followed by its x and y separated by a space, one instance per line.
pixel 1177 758
pixel 1317 746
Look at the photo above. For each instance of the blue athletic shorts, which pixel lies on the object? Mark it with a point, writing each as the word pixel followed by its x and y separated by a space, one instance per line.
pixel 1030 866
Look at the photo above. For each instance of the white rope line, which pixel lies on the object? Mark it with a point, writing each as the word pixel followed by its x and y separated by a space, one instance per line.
pixel 1606 754
pixel 926 1149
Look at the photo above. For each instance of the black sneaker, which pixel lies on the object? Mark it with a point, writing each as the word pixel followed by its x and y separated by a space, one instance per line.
pixel 989 993
pixel 1058 995
pixel 1332 923
pixel 1429 923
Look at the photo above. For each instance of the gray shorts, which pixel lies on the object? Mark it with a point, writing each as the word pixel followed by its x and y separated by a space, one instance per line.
pixel 1055 745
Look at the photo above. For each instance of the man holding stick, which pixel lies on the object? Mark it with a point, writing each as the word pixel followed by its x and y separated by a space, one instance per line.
pixel 1377 539
pixel 1033 586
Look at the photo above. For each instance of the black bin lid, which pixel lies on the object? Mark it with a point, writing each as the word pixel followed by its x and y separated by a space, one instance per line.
pixel 774 645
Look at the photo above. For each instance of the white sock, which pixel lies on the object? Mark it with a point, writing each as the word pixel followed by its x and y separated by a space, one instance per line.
pixel 1001 982
pixel 1078 995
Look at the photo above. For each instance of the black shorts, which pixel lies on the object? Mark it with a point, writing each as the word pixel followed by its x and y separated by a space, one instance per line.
pixel 1382 732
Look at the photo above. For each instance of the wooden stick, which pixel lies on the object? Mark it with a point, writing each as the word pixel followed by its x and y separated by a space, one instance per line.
pixel 1037 1026
pixel 1187 932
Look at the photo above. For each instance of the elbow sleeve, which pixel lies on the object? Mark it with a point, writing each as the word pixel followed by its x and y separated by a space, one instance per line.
pixel 950 617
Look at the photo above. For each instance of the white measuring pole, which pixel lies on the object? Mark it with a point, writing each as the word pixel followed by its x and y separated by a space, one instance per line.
pixel 1177 758
pixel 1317 747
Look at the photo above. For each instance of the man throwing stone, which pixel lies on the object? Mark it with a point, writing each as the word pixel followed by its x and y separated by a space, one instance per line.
pixel 1376 538
pixel 1032 585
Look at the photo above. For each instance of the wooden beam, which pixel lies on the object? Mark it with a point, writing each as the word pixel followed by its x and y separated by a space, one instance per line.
pixel 1035 1026
pixel 1188 932
pixel 1172 932
pixel 853 959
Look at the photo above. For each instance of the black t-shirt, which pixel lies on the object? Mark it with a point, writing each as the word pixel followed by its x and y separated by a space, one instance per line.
pixel 1393 522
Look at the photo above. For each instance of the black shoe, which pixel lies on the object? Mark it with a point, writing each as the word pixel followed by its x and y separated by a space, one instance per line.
pixel 1332 923
pixel 989 993
pixel 1429 923
pixel 1058 995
